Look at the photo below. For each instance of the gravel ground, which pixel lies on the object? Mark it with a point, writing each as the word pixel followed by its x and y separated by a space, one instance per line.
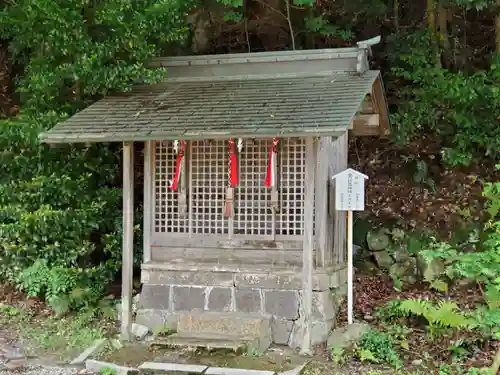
pixel 31 367
pixel 42 370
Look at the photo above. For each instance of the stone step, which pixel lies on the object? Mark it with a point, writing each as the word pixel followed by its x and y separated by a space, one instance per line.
pixel 205 341
pixel 233 324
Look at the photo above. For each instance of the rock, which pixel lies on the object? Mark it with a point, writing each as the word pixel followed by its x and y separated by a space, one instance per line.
pixel 159 367
pixel 16 364
pixel 405 271
pixel 429 270
pixel 95 348
pixel 139 331
pixel 235 371
pixel 346 336
pixel 401 254
pixel 99 367
pixel 368 318
pixel 135 303
pixel 466 282
pixel 383 259
pixel 398 234
pixel 417 362
pixel 296 371
pixel 116 344
pixel 377 241
pixel 356 250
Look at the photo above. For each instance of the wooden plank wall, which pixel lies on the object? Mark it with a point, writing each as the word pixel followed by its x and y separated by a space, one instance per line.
pixel 336 150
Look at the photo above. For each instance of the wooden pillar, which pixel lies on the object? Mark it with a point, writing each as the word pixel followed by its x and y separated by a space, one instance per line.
pixel 308 250
pixel 321 202
pixel 128 239
pixel 147 201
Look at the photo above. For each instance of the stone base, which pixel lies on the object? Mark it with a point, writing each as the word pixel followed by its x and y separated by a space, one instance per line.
pixel 168 293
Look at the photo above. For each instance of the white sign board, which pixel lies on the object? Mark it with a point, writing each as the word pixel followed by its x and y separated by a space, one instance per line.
pixel 349 190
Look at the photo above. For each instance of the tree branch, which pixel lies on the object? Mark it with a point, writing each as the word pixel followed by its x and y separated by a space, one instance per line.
pixel 289 20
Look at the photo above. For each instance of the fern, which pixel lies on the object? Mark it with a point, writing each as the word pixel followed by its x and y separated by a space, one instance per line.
pixel 443 315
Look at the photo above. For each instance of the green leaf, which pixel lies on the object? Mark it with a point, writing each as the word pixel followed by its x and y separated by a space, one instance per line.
pixel 304 2
pixel 366 355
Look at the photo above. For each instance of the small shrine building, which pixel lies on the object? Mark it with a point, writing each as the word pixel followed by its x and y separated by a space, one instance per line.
pixel 239 217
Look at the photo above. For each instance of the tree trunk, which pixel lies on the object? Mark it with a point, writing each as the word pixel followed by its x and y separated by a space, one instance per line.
pixel 497 27
pixel 442 33
pixel 395 12
pixel 431 24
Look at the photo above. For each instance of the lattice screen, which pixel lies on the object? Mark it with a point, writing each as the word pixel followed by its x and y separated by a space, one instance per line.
pixel 209 180
pixel 208 168
pixel 167 218
pixel 292 153
pixel 253 199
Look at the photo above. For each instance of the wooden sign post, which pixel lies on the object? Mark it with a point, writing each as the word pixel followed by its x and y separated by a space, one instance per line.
pixel 349 197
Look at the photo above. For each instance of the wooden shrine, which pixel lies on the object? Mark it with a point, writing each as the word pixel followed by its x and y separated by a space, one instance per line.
pixel 240 228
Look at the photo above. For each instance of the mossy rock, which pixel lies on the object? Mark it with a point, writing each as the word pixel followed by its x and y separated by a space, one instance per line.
pixel 383 259
pixel 405 271
pixel 378 240
pixel 401 253
pixel 430 270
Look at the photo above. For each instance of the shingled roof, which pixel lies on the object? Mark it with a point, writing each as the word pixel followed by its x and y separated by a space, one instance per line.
pixel 293 93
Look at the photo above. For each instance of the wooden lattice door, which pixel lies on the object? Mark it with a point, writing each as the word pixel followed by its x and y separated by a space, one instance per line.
pixel 206 169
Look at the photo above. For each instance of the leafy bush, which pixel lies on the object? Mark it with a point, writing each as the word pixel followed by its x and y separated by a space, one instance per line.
pixel 54 208
pixel 60 208
pixel 442 315
pixel 481 266
pixel 379 346
pixel 463 108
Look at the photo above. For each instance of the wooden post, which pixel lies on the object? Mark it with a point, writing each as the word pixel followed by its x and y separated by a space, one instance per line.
pixel 321 202
pixel 147 201
pixel 128 239
pixel 350 270
pixel 307 257
pixel 349 197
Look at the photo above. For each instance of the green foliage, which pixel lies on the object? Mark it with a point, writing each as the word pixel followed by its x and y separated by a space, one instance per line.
pixel 491 192
pixel 481 266
pixel 399 334
pixel 60 208
pixel 462 108
pixel 475 4
pixel 421 175
pixel 446 369
pixel 232 16
pixel 87 48
pixel 308 3
pixel 320 25
pixel 443 315
pixel 378 346
pixel 338 355
pixel 231 3
pixel 62 337
pixel 390 311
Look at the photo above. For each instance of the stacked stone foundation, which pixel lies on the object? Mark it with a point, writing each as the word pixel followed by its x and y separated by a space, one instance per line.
pixel 168 293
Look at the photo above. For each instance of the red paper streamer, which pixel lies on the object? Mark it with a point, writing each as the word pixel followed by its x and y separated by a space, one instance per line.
pixel 233 163
pixel 178 166
pixel 272 154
